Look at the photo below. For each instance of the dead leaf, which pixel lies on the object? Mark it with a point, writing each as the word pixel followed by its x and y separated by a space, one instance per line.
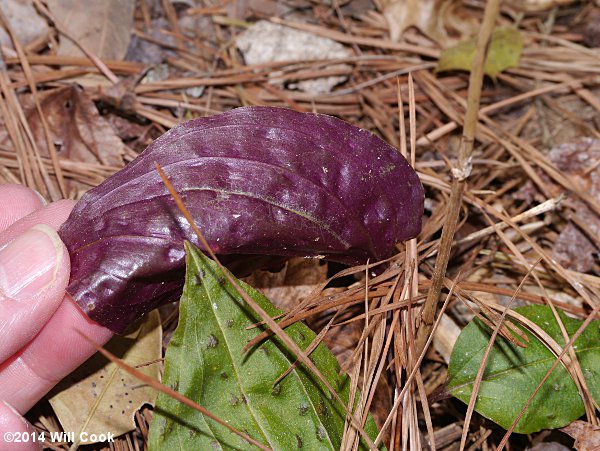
pixel 445 337
pixel 122 94
pixel 266 42
pixel 244 9
pixel 577 160
pixel 504 51
pixel 79 131
pixel 290 286
pixel 24 20
pixel 573 249
pixel 537 5
pixel 434 18
pixel 103 27
pixel 591 28
pixel 586 435
pixel 105 395
pixel 153 52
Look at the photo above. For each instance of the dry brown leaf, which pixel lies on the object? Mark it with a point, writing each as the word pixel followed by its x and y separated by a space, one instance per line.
pixel 591 28
pixel 586 435
pixel 79 131
pixel 578 160
pixel 118 394
pixel 290 286
pixel 434 18
pixel 573 249
pixel 24 20
pixel 103 27
pixel 537 5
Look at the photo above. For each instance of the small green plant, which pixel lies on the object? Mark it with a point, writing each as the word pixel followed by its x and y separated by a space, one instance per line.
pixel 512 373
pixel 206 363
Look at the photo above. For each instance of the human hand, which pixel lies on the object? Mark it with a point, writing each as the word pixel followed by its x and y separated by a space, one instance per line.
pixel 40 341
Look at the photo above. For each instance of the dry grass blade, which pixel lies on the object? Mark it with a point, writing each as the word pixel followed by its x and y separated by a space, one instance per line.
pixel 32 86
pixel 311 347
pixel 415 369
pixel 544 207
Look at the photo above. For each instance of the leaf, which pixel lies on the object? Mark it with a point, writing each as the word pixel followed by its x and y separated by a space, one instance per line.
pixel 257 180
pixel 290 286
pixel 76 126
pixel 537 5
pixel 434 18
pixel 586 435
pixel 504 51
pixel 512 373
pixel 103 27
pixel 266 42
pixel 117 394
pixel 205 362
pixel 25 22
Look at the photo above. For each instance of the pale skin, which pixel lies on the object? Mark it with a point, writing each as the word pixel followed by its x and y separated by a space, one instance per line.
pixel 40 325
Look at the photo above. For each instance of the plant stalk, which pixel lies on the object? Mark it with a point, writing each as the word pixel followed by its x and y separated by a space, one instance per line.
pixel 460 173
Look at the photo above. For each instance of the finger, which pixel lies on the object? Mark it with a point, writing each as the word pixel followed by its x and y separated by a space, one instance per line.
pixel 54 353
pixel 17 201
pixel 34 273
pixel 12 427
pixel 53 215
pixel 35 255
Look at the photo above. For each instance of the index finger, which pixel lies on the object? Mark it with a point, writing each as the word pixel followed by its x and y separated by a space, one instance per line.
pixel 17 202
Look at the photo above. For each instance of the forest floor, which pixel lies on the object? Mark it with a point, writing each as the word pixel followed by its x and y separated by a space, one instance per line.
pixel 529 217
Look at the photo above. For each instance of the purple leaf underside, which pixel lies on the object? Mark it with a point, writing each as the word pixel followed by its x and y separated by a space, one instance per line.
pixel 258 181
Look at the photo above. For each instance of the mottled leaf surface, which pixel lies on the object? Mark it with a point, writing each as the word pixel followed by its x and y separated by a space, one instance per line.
pixel 257 180
pixel 512 373
pixel 204 361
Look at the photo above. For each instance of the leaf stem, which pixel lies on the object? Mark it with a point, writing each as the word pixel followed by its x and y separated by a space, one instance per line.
pixel 460 173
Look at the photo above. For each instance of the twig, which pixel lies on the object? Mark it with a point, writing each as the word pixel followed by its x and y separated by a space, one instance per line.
pixel 460 173
pixel 548 205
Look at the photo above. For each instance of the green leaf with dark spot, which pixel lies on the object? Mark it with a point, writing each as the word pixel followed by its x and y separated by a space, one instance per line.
pixel 205 361
pixel 512 373
pixel 504 51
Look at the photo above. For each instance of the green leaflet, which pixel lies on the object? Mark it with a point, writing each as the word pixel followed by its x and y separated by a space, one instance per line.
pixel 505 50
pixel 204 362
pixel 513 373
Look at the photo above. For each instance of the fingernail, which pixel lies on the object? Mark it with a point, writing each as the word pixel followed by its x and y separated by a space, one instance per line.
pixel 28 264
pixel 42 198
pixel 13 410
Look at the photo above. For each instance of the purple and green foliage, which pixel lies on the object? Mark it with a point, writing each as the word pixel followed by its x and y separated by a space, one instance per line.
pixel 258 181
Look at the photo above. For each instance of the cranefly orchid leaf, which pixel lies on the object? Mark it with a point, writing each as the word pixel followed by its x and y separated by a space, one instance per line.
pixel 205 362
pixel 258 181
pixel 518 371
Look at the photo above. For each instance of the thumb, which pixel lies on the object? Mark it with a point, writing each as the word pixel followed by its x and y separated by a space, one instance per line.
pixel 14 429
pixel 34 272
